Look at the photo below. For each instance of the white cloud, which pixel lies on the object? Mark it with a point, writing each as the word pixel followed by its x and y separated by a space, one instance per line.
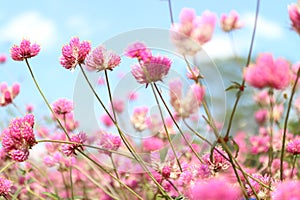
pixel 29 25
pixel 218 47
pixel 265 28
pixel 79 25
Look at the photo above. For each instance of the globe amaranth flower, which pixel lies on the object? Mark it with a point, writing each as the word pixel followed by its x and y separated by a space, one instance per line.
pixel 100 59
pixel 109 142
pixel 8 94
pixel 286 190
pixel 230 22
pixel 293 146
pixel 153 70
pixel 62 106
pixel 74 53
pixel 79 139
pixel 5 186
pixel 138 50
pixel 294 14
pixel 2 58
pixel 19 138
pixel 267 72
pixel 24 51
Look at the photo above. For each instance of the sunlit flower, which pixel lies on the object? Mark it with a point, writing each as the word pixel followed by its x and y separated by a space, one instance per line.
pixel 138 50
pixel 24 51
pixel 62 106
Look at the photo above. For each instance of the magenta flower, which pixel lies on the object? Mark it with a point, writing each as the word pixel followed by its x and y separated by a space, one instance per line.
pixel 138 50
pixel 294 14
pixel 293 147
pixel 69 149
pixel 62 106
pixel 267 72
pixel 154 70
pixel 257 186
pixel 2 58
pixel 230 22
pixel 223 189
pixel 8 94
pixel 24 51
pixel 153 144
pixel 109 142
pixel 100 59
pixel 74 53
pixel 286 190
pixel 19 138
pixel 5 186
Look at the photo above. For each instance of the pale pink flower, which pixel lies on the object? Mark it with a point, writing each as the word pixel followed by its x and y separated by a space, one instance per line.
pixel 222 189
pixel 138 118
pixel 109 142
pixel 19 138
pixel 293 146
pixel 231 21
pixel 79 139
pixel 8 94
pixel 189 104
pixel 24 51
pixel 62 106
pixel 261 116
pixel 74 53
pixel 100 59
pixel 153 70
pixel 132 96
pixel 118 105
pixel 259 144
pixel 263 98
pixel 2 58
pixel 267 72
pixel 294 14
pixel 153 144
pixel 138 50
pixel 187 15
pixel 106 120
pixel 5 186
pixel 194 74
pixel 287 190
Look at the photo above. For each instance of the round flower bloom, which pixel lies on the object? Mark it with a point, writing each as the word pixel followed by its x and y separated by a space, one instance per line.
pixel 110 142
pixel 62 106
pixel 294 14
pixel 100 59
pixel 2 58
pixel 8 94
pixel 154 70
pixel 24 51
pixel 69 149
pixel 74 53
pixel 286 191
pixel 138 50
pixel 267 72
pixel 230 22
pixel 19 138
pixel 293 146
pixel 5 186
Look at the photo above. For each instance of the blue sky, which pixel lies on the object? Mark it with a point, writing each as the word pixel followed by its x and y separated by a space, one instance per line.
pixel 53 23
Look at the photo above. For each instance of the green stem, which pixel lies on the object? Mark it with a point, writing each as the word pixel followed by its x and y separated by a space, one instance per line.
pixel 170 11
pixel 110 96
pixel 294 163
pixel 286 124
pixel 71 183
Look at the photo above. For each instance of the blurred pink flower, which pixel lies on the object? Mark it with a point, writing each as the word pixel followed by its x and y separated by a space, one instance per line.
pixel 8 94
pixel 106 120
pixel 24 51
pixel 138 118
pixel 293 146
pixel 5 186
pixel 2 58
pixel 152 144
pixel 138 50
pixel 118 105
pixel 74 53
pixel 231 21
pixel 294 14
pixel 100 59
pixel 62 106
pixel 19 138
pixel 69 149
pixel 109 142
pixel 153 70
pixel 286 190
pixel 261 116
pixel 267 72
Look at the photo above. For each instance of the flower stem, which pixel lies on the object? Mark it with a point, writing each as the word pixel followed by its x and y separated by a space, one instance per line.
pixel 171 12
pixel 294 163
pixel 286 124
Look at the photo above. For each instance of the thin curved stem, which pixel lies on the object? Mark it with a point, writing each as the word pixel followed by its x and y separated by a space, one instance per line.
pixel 170 11
pixel 110 96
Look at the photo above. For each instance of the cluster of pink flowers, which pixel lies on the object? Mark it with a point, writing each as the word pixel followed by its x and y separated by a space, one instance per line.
pixel 5 186
pixel 230 22
pixel 8 94
pixel 19 138
pixel 109 142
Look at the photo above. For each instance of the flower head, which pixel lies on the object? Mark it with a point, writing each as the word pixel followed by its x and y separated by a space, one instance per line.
pixel 230 22
pixel 24 51
pixel 294 14
pixel 100 59
pixel 286 190
pixel 79 139
pixel 74 53
pixel 5 186
pixel 19 138
pixel 8 94
pixel 153 70
pixel 62 106
pixel 109 142
pixel 293 146
pixel 267 72
pixel 138 50
pixel 2 58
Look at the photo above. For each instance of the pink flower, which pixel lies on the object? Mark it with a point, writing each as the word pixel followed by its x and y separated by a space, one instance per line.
pixel 109 142
pixel 106 120
pixel 69 149
pixel 74 53
pixel 222 190
pixel 218 162
pixel 293 146
pixel 24 51
pixel 256 186
pixel 261 116
pixel 154 70
pixel 2 58
pixel 5 186
pixel 62 106
pixel 230 22
pixel 187 15
pixel 294 14
pixel 268 72
pixel 118 105
pixel 153 144
pixel 8 94
pixel 189 104
pixel 100 59
pixel 138 50
pixel 287 190
pixel 19 138
pixel 194 74
pixel 138 119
